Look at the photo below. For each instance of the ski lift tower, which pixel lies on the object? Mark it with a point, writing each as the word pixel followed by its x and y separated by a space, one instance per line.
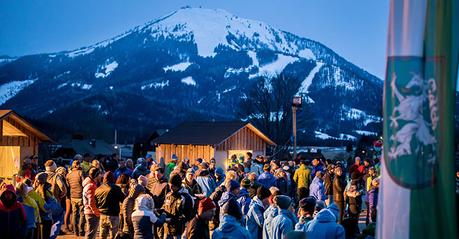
pixel 296 103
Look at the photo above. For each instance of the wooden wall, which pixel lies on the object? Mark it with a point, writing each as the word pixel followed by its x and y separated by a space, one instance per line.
pixel 191 152
pixel 244 139
pixel 30 141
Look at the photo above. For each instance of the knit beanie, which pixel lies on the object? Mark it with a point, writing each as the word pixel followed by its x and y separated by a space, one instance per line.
pixel 232 208
pixel 41 177
pixel 205 204
pixel 50 166
pixel 176 180
pixel 308 204
pixel 263 192
pixel 282 201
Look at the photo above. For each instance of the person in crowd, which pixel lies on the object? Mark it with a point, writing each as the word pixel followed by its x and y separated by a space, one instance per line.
pixel 198 227
pixel 193 188
pixel 305 213
pixel 255 219
pixel 30 208
pixel 317 165
pixel 144 218
pixel 267 179
pixel 231 195
pixel 219 176
pixel 368 179
pixel 56 177
pixel 317 189
pixel 108 198
pixel 339 185
pixel 324 226
pixel 122 169
pixel 127 207
pixel 205 181
pixel 91 212
pixel 271 212
pixel 230 226
pixel 75 181
pixel 353 195
pixel 157 185
pixel 140 169
pixel 130 165
pixel 212 168
pixel 178 207
pixel 27 169
pixel 373 199
pixel 86 164
pixel 357 167
pixel 111 163
pixel 96 164
pixel 302 179
pixel 252 167
pixel 123 181
pixel 285 221
pixel 243 198
pixel 171 165
pixel 254 184
pixel 328 183
pixel 282 182
pixel 46 198
pixel 12 214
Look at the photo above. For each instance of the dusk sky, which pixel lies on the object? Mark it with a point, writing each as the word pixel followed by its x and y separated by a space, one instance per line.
pixel 356 29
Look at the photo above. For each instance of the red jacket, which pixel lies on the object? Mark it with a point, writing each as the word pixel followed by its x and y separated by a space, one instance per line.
pixel 89 200
pixel 13 218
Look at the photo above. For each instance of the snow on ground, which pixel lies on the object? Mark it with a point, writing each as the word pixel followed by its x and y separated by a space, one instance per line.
pixel 105 70
pixel 177 67
pixel 188 81
pixel 364 132
pixel 155 85
pixel 10 89
pixel 62 85
pixel 307 53
pixel 308 81
pixel 274 68
pixel 86 86
pixel 229 89
pixel 321 135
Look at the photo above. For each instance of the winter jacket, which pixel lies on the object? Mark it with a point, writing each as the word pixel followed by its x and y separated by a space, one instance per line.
pixel 267 179
pixel 354 198
pixel 328 183
pixel 12 218
pixel 197 228
pixel 127 207
pixel 58 185
pixel 254 219
pixel 282 185
pixel 179 207
pixel 317 189
pixel 316 169
pixel 140 170
pixel 325 226
pixel 373 197
pixel 271 212
pixel 255 168
pixel 302 176
pixel 121 171
pixel 207 184
pixel 159 190
pixel 143 217
pixel 108 199
pixel 339 185
pixel 302 223
pixel 244 201
pixel 229 197
pixel 75 181
pixel 89 200
pixel 230 228
pixel 169 168
pixel 31 210
pixel 282 224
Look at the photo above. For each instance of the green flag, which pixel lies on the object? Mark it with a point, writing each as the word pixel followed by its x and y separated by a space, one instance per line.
pixel 417 198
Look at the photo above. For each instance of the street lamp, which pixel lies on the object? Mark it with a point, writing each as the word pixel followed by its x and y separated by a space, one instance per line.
pixel 296 103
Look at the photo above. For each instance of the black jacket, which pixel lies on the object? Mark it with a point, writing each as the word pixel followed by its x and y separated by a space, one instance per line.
pixel 339 185
pixel 197 228
pixel 108 199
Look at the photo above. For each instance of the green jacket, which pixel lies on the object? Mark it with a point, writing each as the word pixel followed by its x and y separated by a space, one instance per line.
pixel 302 176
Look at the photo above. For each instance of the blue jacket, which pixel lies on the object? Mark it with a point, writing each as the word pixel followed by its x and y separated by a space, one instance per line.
pixel 230 228
pixel 271 212
pixel 325 226
pixel 283 224
pixel 121 171
pixel 207 184
pixel 317 168
pixel 373 197
pixel 317 189
pixel 244 200
pixel 255 218
pixel 267 179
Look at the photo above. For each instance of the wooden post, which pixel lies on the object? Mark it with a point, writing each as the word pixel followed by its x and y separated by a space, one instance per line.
pixel 294 131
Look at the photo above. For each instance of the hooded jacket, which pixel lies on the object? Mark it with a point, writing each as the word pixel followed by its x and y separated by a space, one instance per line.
pixel 179 206
pixel 255 218
pixel 302 176
pixel 267 179
pixel 108 198
pixel 244 201
pixel 325 226
pixel 143 217
pixel 207 184
pixel 271 212
pixel 12 215
pixel 89 200
pixel 230 228
pixel 128 207
pixel 229 197
pixel 282 224
pixel 317 189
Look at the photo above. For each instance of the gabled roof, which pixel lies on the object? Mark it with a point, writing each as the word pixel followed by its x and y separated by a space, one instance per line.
pixel 94 147
pixel 16 117
pixel 206 133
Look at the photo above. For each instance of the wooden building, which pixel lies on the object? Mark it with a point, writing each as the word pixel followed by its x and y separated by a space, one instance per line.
pixel 19 139
pixel 208 140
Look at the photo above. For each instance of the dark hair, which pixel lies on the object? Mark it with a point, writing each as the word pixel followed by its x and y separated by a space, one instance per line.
pixel 123 179
pixel 94 173
pixel 249 154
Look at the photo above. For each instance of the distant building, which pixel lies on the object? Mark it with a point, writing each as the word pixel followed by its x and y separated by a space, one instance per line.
pixel 208 140
pixel 19 140
pixel 67 149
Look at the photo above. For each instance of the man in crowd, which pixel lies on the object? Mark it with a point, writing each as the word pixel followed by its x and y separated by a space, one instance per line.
pixel 198 227
pixel 75 181
pixel 302 178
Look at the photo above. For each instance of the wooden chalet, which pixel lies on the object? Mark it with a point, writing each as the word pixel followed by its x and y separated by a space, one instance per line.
pixel 208 140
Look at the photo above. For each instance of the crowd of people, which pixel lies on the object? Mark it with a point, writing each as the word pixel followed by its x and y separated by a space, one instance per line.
pixel 250 198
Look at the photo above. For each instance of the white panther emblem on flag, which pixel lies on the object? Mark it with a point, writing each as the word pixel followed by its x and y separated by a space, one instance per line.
pixel 409 115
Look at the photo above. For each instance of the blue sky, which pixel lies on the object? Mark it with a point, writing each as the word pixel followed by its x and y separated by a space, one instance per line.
pixel 355 29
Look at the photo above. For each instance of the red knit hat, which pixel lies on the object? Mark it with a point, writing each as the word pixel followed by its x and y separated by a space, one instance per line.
pixel 205 204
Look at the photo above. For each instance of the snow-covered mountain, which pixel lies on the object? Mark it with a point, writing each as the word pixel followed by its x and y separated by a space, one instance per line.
pixel 191 64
